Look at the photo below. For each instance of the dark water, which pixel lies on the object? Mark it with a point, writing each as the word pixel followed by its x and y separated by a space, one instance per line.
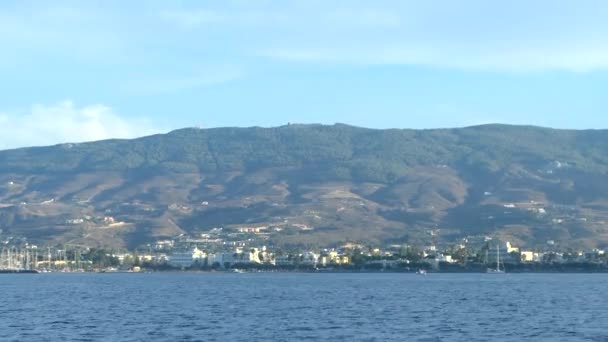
pixel 296 307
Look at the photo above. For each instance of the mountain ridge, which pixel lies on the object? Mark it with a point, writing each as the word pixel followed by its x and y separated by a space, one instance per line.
pixel 364 184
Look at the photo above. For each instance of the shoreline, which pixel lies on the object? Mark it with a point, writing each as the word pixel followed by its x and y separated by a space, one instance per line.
pixel 10 271
pixel 430 272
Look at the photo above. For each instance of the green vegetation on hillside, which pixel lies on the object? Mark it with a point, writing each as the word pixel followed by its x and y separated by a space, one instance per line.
pixel 338 152
pixel 315 183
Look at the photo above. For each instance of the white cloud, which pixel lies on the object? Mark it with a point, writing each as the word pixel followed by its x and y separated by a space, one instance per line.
pixel 65 122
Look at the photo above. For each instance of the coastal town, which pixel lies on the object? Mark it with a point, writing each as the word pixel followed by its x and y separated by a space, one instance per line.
pixel 248 249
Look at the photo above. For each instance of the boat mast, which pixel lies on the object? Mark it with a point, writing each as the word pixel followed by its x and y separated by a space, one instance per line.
pixel 497 257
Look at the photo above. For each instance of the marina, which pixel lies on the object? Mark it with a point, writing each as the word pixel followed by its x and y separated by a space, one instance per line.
pixel 18 260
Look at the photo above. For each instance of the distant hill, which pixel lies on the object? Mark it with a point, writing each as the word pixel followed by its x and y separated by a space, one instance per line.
pixel 320 184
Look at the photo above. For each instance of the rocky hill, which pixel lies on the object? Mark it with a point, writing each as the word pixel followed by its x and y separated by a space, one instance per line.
pixel 314 184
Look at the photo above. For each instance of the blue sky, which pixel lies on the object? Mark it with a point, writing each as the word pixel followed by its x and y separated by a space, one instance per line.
pixel 89 70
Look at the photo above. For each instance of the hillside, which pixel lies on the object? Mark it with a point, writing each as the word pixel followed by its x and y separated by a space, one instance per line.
pixel 317 184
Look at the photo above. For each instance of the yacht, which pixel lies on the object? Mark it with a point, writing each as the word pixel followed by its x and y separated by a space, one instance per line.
pixel 497 269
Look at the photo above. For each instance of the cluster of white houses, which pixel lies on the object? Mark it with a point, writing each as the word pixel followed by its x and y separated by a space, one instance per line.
pixel 187 257
pixel 254 256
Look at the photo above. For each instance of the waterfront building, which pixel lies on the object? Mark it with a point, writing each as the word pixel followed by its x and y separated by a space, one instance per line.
pixel 445 258
pixel 530 256
pixel 224 259
pixel 251 256
pixel 309 259
pixel 187 258
pixel 508 253
pixel 283 260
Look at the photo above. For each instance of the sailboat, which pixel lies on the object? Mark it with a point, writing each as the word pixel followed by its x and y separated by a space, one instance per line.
pixel 497 269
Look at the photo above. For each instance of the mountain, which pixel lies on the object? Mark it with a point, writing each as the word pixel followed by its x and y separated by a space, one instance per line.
pixel 315 184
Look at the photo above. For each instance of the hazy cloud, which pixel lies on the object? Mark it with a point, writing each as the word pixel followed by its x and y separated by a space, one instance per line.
pixel 65 122
pixel 158 85
pixel 192 19
pixel 517 35
pixel 514 36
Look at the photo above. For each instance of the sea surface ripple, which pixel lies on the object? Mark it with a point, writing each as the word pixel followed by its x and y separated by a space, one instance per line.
pixel 301 306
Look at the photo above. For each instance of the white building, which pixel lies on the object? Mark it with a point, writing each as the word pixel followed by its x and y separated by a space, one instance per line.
pixel 187 258
pixel 283 260
pixel 530 256
pixel 251 256
pixel 309 258
pixel 222 259
pixel 444 258
pixel 163 244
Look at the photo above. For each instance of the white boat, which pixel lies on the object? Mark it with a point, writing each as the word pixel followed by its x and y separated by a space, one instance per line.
pixel 497 269
pixel 421 272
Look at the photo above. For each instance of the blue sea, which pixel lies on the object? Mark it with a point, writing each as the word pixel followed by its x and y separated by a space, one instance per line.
pixel 301 306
